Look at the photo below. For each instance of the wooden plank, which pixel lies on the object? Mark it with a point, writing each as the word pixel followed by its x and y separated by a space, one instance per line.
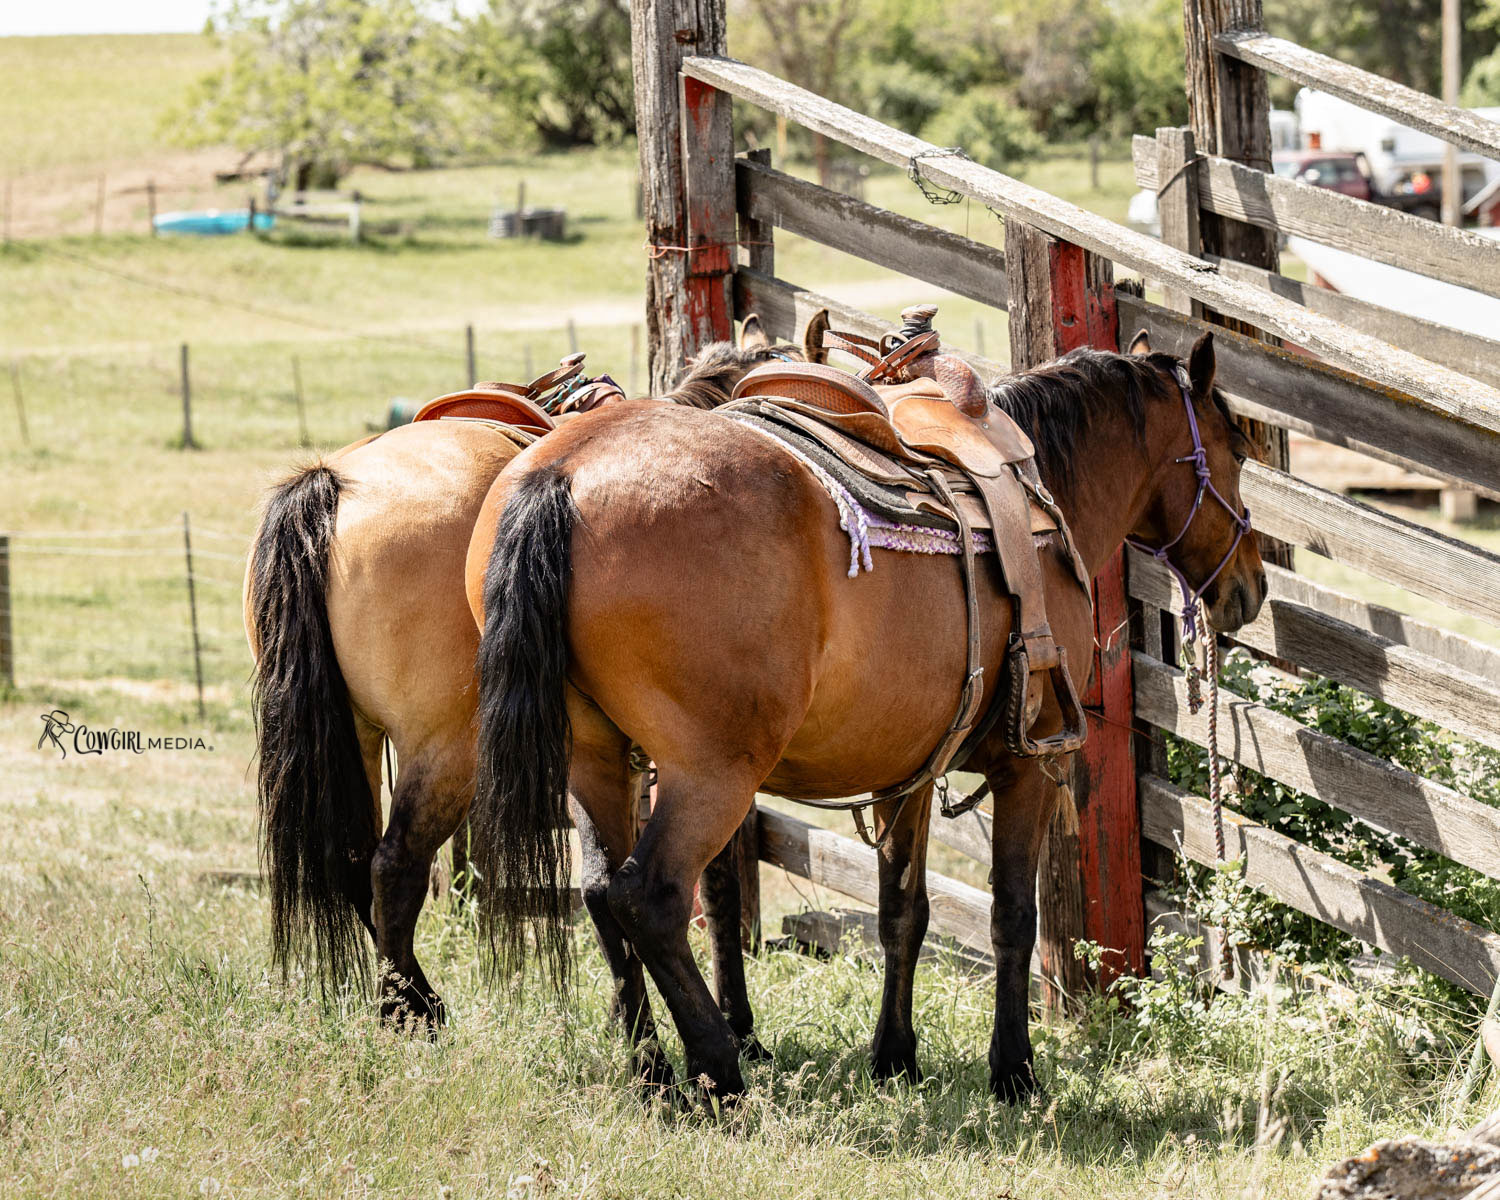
pixel 833 861
pixel 661 35
pixel 1367 787
pixel 971 834
pixel 1177 202
pixel 785 309
pixel 894 242
pixel 1331 218
pixel 1417 683
pixel 708 184
pixel 1452 572
pixel 1465 129
pixel 1465 352
pixel 1455 648
pixel 1307 396
pixel 1360 904
pixel 1436 387
pixel 757 235
pixel 833 932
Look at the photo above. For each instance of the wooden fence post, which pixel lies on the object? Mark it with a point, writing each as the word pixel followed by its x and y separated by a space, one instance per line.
pixel 15 391
pixel 663 33
pixel 151 206
pixel 187 403
pixel 1061 298
pixel 757 237
pixel 469 354
pixel 187 549
pixel 7 645
pixel 1229 109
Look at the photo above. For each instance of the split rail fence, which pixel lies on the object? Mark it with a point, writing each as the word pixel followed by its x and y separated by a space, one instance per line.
pixel 1360 376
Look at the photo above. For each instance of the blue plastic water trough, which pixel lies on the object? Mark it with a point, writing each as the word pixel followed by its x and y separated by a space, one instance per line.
pixel 209 222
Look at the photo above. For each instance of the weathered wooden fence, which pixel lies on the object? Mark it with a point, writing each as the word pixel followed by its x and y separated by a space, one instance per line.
pixel 1380 383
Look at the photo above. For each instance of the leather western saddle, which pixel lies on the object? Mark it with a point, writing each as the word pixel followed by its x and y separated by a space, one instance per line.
pixel 526 408
pixel 918 420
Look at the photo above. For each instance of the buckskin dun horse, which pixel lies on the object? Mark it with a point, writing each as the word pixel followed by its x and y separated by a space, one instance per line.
pixel 356 616
pixel 673 579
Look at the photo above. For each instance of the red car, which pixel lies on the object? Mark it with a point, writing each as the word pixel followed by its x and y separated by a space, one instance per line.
pixel 1347 173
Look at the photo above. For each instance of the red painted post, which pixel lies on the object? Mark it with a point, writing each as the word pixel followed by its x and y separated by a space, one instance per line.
pixel 1062 298
pixel 1109 820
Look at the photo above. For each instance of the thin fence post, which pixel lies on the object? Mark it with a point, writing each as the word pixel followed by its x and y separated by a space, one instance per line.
pixel 99 209
pixel 758 236
pixel 15 388
pixel 634 377
pixel 469 354
pixel 305 439
pixel 979 336
pixel 7 644
pixel 187 547
pixel 151 206
pixel 187 403
pixel 572 337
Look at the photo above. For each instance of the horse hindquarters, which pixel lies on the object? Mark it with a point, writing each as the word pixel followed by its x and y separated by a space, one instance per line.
pixel 317 811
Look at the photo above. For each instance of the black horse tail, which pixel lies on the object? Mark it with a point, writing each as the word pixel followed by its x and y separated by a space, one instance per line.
pixel 520 849
pixel 317 817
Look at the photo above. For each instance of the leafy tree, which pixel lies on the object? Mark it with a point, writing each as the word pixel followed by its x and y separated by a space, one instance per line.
pixel 327 84
pixel 560 66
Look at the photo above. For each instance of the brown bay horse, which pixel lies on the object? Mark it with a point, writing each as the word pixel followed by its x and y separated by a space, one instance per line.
pixel 356 615
pixel 674 580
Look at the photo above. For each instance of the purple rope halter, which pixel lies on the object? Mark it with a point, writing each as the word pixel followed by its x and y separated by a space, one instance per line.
pixel 1199 459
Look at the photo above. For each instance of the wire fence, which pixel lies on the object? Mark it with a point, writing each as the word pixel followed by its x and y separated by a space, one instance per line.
pixel 157 604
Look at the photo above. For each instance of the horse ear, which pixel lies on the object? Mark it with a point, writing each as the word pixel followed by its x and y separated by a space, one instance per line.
pixel 1140 344
pixel 812 337
pixel 1201 366
pixel 753 334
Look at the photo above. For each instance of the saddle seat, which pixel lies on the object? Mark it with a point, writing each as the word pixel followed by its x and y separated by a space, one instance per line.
pixel 524 406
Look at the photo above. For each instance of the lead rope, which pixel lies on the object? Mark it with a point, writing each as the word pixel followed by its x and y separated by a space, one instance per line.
pixel 1215 780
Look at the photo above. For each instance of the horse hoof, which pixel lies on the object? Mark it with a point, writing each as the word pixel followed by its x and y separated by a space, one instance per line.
pixel 719 1089
pixel 752 1051
pixel 1013 1085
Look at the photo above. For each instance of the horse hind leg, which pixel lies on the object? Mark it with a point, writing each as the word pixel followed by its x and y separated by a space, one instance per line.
pixel 903 924
pixel 720 893
pixel 651 897
pixel 602 795
pixel 429 803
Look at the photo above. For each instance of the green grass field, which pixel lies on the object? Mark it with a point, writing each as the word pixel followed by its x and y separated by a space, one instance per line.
pixel 146 1049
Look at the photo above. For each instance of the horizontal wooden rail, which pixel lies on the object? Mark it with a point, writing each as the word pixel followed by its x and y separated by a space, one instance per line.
pixel 1442 568
pixel 834 861
pixel 1369 788
pixel 896 243
pixel 1465 352
pixel 1456 699
pixel 1405 105
pixel 1333 219
pixel 1461 651
pixel 1273 384
pixel 1336 893
pixel 1434 386
pixel 785 308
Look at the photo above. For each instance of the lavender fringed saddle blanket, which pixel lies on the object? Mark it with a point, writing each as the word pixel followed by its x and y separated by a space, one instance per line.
pixel 873 514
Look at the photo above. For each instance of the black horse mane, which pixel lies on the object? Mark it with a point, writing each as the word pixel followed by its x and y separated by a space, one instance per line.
pixel 1056 402
pixel 709 378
